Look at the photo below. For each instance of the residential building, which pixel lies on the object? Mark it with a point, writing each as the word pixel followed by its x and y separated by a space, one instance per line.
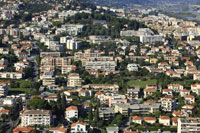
pixel 132 67
pixel 114 129
pixel 189 99
pixel 71 112
pixel 11 75
pixel 186 125
pixel 79 127
pixel 47 78
pixel 137 119
pixel 167 104
pixel 106 113
pixel 165 120
pixel 74 80
pixel 73 44
pixel 3 90
pixel 36 117
pixel 150 120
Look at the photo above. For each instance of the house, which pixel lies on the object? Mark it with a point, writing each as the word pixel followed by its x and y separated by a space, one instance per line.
pixel 58 130
pixel 165 120
pixel 114 129
pixel 148 92
pixel 188 108
pixel 179 113
pixel 23 129
pixel 196 76
pixel 167 92
pixel 132 67
pixel 164 66
pixel 79 127
pixel 153 60
pixel 175 87
pixel 195 88
pixel 184 92
pixel 71 112
pixel 129 130
pixel 150 120
pixel 174 121
pixel 137 119
pixel 173 74
pixel 84 93
pixel 189 99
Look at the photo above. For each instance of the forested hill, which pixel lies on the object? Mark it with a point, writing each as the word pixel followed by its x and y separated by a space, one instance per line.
pixel 142 2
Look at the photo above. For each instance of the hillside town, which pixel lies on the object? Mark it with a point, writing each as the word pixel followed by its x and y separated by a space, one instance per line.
pixel 75 67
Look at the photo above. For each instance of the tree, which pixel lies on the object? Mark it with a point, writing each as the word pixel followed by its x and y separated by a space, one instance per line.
pixel 38 103
pixel 90 115
pixel 96 115
pixel 157 113
pixel 27 72
pixel 63 102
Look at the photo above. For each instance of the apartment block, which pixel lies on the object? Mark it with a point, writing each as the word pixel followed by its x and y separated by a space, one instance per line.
pixel 74 80
pixel 36 117
pixel 188 125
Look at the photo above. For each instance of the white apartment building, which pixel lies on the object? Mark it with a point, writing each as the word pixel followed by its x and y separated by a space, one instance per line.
pixel 36 117
pixel 186 125
pixel 71 112
pixel 74 80
pixel 105 66
pixel 3 90
pixel 73 44
pixel 11 75
pixel 151 38
pixel 167 104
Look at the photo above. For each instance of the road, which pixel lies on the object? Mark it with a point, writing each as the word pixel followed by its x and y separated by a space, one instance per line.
pixel 12 124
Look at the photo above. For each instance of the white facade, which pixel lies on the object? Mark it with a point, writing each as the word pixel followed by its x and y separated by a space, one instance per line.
pixel 3 90
pixel 151 39
pixel 11 75
pixel 79 127
pixel 73 44
pixel 186 125
pixel 100 65
pixel 132 67
pixel 71 112
pixel 36 117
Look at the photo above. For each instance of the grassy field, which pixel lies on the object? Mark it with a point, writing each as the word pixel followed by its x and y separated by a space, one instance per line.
pixel 140 83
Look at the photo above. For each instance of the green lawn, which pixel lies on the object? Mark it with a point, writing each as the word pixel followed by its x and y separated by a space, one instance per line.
pixel 140 83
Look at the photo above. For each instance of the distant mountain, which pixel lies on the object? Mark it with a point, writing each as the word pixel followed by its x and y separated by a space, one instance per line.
pixel 142 2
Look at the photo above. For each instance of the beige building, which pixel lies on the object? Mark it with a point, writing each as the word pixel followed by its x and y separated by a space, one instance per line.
pixel 186 125
pixel 36 117
pixel 74 80
pixel 165 120
pixel 47 78
pixel 11 75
